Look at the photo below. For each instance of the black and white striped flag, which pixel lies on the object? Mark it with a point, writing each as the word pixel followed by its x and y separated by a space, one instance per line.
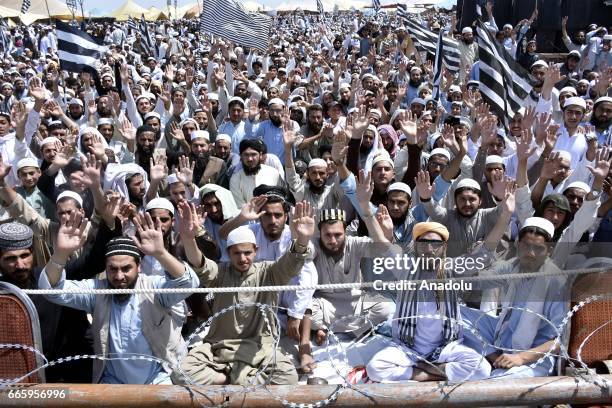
pixel 402 11
pixel 147 40
pixel 5 41
pixel 132 24
pixel 229 20
pixel 78 51
pixel 426 40
pixel 437 72
pixel 320 7
pixel 25 6
pixel 504 84
pixel 376 5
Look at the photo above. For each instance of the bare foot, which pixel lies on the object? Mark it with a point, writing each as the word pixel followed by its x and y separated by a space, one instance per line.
pixel 433 373
pixel 307 363
pixel 320 337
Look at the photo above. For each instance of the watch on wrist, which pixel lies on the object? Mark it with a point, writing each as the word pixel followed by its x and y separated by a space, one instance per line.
pixel 596 193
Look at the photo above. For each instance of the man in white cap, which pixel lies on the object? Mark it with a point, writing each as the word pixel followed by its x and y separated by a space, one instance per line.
pixel 570 138
pixel 76 111
pixel 467 48
pixel 223 150
pixel 28 172
pixel 602 120
pixel 315 187
pixel 239 344
pixel 271 130
pixel 516 339
pixel 468 223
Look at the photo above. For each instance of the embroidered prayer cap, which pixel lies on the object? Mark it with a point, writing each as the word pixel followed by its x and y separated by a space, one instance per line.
pixel 332 214
pixel 27 162
pixel 578 184
pixel 241 235
pixel 382 157
pixel 423 228
pixel 317 162
pixel 160 203
pixel 123 246
pixel 200 134
pixel 541 223
pixel 494 159
pixel 14 236
pixel 575 101
pixel 468 183
pixel 223 136
pixel 440 151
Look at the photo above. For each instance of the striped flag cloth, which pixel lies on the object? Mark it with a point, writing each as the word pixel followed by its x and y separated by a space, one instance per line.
pixel 229 20
pixel 147 40
pixel 426 40
pixel 376 5
pixel 504 84
pixel 78 51
pixel 132 24
pixel 437 72
pixel 25 6
pixel 5 41
pixel 402 11
pixel 320 7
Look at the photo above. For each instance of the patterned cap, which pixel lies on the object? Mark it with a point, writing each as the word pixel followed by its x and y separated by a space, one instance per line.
pixel 14 235
pixel 123 246
pixel 332 214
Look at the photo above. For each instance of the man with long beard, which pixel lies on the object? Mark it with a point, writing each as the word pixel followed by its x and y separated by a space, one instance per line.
pixel 468 49
pixel 206 168
pixel 271 130
pixel 412 90
pixel 309 136
pixel 145 146
pixel 602 119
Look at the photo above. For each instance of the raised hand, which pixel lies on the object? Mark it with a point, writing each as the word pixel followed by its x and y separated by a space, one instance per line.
pixel 364 190
pixel 550 166
pixel 509 203
pixel 423 185
pixel 288 136
pixel 189 220
pixel 36 89
pixel 71 236
pixel 63 156
pixel 149 238
pixel 529 117
pixel 384 220
pixel 91 170
pixel 339 147
pixel 408 124
pixel 92 108
pixel 302 224
pixel 499 184
pixel 4 170
pixel 541 124
pixel 113 202
pixel 360 123
pixel 552 134
pixel 127 130
pixel 176 132
pixel 251 211
pixel 97 148
pixel 602 164
pixel 158 169
pixel 524 146
pixel 185 174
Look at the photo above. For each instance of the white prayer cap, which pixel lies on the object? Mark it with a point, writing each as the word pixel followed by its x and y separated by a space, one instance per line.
pixel 152 115
pixel 382 157
pixel 236 99
pixel 376 112
pixel 143 96
pixel 213 96
pixel 539 63
pixel 467 30
pixel 400 187
pixel 465 122
pixel 607 37
pixel 70 194
pixel 508 26
pixel 276 101
pixel 173 179
pixel 160 203
pixel 367 75
pixel 223 136
pixel 603 99
pixel 564 154
pixel 575 54
pixel 200 134
pixel 584 81
pixel 47 140
pixel 317 162
pixel 454 88
pixel 105 121
pixel 241 235
pixel 468 183
pixel 578 184
pixel 344 85
pixel 415 69
pixel 575 101
pixel 354 109
pixel 27 162
pixel 569 89
pixel 494 159
pixel 75 101
pixel 189 120
pixel 418 101
pixel 541 223
pixel 440 151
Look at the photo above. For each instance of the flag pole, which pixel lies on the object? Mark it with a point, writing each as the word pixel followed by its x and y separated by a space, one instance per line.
pixel 48 12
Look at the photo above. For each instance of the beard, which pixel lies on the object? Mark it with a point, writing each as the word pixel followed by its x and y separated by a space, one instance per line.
pixel 329 252
pixel 316 190
pixel 364 149
pixel 276 121
pixel 252 170
pixel 468 42
pixel 399 220
pixel 122 298
pixel 315 127
pixel 415 84
pixel 598 123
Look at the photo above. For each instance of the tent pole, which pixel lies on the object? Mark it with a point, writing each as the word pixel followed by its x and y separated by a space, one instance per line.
pixel 48 12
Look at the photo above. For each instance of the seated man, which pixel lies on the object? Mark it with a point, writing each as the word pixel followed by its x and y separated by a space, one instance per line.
pixel 145 324
pixel 239 343
pixel 525 332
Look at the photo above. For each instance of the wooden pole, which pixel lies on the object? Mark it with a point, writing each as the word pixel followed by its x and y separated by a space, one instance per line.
pixel 528 391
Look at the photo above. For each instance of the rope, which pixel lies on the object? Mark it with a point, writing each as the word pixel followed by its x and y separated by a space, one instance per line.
pixel 329 286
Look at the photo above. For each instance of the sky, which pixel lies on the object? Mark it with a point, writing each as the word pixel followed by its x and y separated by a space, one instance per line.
pixel 110 5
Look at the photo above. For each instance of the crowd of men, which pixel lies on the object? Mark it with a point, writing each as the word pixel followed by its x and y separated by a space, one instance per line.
pixel 208 164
